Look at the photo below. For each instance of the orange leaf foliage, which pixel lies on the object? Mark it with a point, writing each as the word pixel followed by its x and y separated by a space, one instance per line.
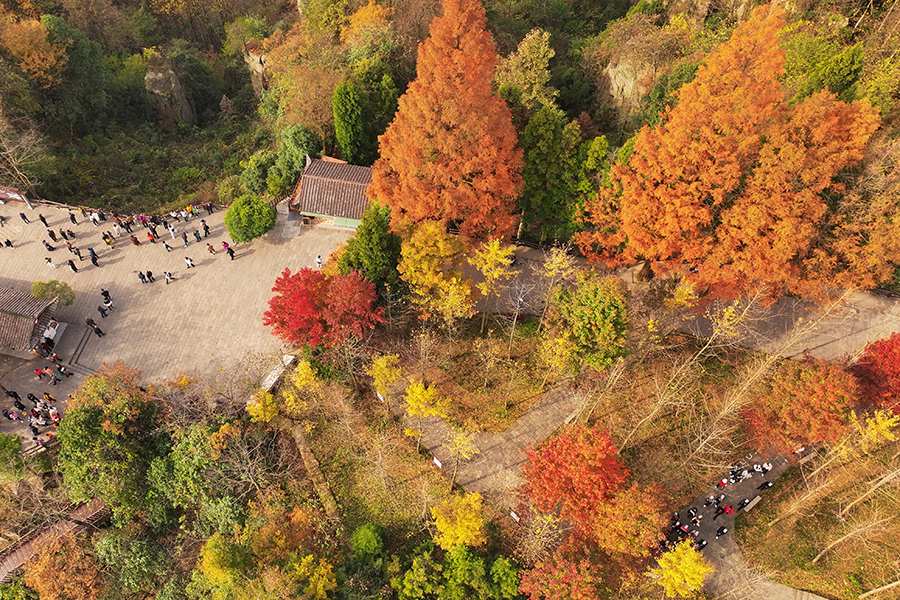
pixel 805 402
pixel 62 570
pixel 632 521
pixel 27 42
pixel 575 472
pixel 733 180
pixel 450 153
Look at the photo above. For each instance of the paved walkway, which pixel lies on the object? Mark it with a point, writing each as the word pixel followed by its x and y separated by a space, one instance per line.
pixel 208 319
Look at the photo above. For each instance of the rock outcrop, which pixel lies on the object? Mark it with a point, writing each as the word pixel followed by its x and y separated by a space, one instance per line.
pixel 168 96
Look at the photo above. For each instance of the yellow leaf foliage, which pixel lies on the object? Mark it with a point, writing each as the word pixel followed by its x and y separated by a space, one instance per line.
pixel 262 407
pixel 459 522
pixel 681 571
pixel 384 370
pixel 371 16
pixel 422 401
pixel 493 261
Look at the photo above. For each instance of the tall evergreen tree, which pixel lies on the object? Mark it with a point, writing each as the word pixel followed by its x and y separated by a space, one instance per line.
pixel 551 172
pixel 450 152
pixel 373 251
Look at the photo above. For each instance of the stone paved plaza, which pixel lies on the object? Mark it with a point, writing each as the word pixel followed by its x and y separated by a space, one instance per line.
pixel 208 318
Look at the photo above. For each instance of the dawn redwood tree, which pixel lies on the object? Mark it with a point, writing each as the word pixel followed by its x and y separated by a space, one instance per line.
pixel 878 373
pixel 734 179
pixel 450 153
pixel 575 473
pixel 311 308
pixel 804 402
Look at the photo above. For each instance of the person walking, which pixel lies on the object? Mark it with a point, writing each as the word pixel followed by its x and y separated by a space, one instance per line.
pixel 72 219
pixel 230 252
pixel 134 241
pixel 70 247
pixel 63 234
pixel 94 261
pixel 117 230
pixel 52 235
pixel 210 249
pixel 150 276
pixel 42 220
pixel 319 261
pixel 184 238
pixel 8 244
pixel 62 371
pixel 91 251
pixel 167 246
pixel 107 297
pixel 168 277
pixel 49 262
pixel 70 233
pixel 721 531
pixel 102 312
pixel 97 330
pixel 72 266
pixel 210 209
pixel 188 262
pixel 89 322
pixel 151 238
pixel 110 243
pixel 172 230
pixel 197 235
pixel 47 246
pixel 24 218
pixel 142 277
pixel 40 374
pixel 153 232
pixel 205 227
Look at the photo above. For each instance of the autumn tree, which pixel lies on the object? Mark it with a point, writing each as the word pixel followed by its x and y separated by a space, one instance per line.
pixel 450 153
pixel 559 577
pixel 878 372
pixel 459 522
pixel 736 182
pixel 22 151
pixel 681 571
pixel 28 43
pixel 111 434
pixel 631 522
pixel 528 70
pixel 575 473
pixel 804 402
pixel 494 261
pixel 593 316
pixel 311 308
pixel 552 156
pixel 423 401
pixel 62 569
pixel 429 264
pixel 384 371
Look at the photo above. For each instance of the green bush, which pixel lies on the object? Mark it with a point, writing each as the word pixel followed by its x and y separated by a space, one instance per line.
pixel 366 541
pixel 48 290
pixel 256 171
pixel 249 217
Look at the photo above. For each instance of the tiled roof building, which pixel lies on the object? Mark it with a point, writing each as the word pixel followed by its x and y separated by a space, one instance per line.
pixel 332 191
pixel 23 318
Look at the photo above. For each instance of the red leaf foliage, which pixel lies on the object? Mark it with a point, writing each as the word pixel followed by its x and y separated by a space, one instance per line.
pixel 575 472
pixel 311 308
pixel 805 402
pixel 878 373
pixel 560 578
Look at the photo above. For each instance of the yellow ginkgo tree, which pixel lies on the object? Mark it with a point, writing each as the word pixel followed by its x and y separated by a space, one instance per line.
pixel 494 261
pixel 681 571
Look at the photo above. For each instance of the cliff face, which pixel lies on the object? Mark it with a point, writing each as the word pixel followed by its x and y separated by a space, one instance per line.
pixel 256 64
pixel 168 96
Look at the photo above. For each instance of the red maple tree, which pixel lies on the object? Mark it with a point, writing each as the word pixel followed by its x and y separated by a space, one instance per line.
pixel 451 151
pixel 310 308
pixel 804 402
pixel 878 373
pixel 734 180
pixel 575 473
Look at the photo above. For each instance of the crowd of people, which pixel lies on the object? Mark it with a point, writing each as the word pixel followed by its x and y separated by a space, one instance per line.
pixel 39 417
pixel 689 524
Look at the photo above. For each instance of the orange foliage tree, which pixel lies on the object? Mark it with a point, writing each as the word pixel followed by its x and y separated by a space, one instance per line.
pixel 739 183
pixel 62 570
pixel 804 402
pixel 575 473
pixel 878 372
pixel 27 42
pixel 450 152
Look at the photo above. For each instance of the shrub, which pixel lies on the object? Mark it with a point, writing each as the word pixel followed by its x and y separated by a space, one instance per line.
pixel 249 217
